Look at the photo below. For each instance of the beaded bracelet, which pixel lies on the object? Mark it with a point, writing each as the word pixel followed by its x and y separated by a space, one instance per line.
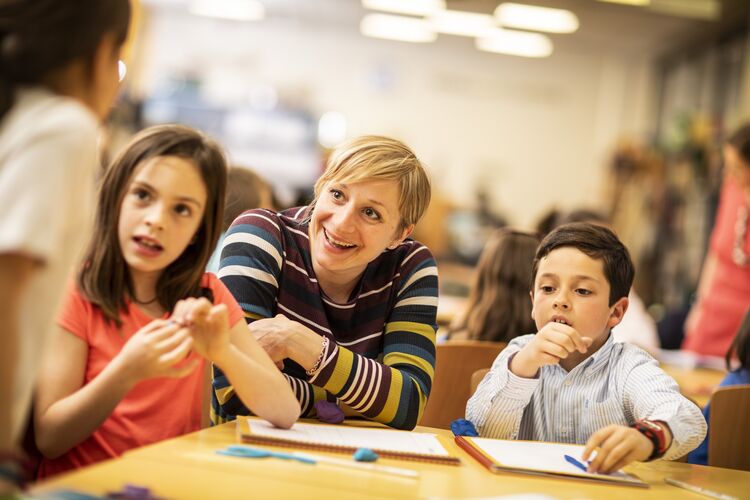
pixel 316 366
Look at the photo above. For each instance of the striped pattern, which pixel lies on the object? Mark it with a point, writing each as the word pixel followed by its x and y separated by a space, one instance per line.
pixel 618 384
pixel 382 356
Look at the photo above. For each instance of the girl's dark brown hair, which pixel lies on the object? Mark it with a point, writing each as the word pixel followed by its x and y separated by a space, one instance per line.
pixel 104 278
pixel 499 307
pixel 740 345
pixel 40 36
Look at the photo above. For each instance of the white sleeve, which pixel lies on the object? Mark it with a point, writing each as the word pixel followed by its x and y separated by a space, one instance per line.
pixel 651 394
pixel 36 180
pixel 496 408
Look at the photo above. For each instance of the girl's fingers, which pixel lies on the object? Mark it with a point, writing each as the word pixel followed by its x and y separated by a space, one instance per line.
pixel 163 331
pixel 178 353
pixel 168 343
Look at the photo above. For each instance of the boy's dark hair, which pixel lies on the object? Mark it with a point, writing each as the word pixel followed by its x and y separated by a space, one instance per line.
pixel 597 242
pixel 741 345
pixel 104 278
pixel 40 36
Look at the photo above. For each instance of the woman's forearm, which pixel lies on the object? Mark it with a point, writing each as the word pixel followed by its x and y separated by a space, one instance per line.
pixel 72 419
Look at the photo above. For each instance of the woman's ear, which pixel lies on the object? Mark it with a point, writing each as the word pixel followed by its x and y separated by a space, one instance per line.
pixel 405 232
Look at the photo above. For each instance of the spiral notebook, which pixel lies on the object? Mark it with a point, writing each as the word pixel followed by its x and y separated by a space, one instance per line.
pixel 538 458
pixel 389 443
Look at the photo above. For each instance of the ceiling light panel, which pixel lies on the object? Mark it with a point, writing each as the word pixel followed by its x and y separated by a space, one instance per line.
pixel 236 10
pixel 531 17
pixel 403 29
pixel 454 22
pixel 516 43
pixel 409 7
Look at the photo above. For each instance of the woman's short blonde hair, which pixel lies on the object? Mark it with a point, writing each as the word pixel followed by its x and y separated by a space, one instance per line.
pixel 372 157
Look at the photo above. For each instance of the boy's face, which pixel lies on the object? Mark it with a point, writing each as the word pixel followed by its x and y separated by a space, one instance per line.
pixel 571 287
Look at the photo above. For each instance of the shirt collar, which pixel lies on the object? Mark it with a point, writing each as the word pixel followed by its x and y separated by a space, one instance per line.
pixel 600 358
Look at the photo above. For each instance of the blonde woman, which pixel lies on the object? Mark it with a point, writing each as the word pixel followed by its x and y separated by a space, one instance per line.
pixel 337 293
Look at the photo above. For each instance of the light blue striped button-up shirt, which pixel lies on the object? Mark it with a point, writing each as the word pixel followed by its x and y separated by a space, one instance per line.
pixel 618 384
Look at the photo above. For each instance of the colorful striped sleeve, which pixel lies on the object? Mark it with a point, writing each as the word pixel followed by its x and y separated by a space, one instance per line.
pixel 395 391
pixel 250 266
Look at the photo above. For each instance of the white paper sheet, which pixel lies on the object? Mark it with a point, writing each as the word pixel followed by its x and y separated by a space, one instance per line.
pixel 356 437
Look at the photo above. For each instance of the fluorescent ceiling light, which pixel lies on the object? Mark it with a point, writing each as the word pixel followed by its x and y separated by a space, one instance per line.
pixel 456 22
pixel 697 9
pixel 531 17
pixel 236 10
pixel 639 3
pixel 409 7
pixel 403 29
pixel 516 43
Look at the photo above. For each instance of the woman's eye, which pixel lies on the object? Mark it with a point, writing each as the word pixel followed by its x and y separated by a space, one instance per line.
pixel 371 214
pixel 182 209
pixel 336 194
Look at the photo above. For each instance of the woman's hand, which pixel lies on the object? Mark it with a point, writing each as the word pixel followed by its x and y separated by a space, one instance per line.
pixel 156 350
pixel 283 338
pixel 208 326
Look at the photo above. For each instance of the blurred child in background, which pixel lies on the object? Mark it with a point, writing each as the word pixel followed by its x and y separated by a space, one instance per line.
pixel 499 308
pixel 740 348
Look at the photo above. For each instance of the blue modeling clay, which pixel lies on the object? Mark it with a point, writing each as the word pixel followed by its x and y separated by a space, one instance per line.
pixel 365 455
pixel 463 427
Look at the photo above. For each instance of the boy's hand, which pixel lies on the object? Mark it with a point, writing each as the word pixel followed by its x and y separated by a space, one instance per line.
pixel 618 446
pixel 553 342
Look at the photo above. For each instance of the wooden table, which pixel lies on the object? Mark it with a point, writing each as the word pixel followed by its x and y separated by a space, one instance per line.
pixel 188 467
pixel 696 383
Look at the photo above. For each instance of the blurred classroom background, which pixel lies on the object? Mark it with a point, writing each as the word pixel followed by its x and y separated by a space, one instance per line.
pixel 619 106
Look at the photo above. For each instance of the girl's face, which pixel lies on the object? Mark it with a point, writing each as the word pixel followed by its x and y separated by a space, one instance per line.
pixel 160 213
pixel 352 224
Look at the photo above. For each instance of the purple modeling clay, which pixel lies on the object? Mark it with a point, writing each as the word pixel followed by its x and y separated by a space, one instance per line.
pixel 328 412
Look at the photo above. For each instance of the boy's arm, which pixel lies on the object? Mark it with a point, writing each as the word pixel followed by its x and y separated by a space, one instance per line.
pixel 650 394
pixel 496 408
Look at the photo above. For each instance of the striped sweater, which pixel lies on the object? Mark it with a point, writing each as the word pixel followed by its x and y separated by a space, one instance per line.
pixel 381 357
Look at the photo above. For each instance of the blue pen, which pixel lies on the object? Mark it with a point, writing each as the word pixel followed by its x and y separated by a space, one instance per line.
pixel 575 462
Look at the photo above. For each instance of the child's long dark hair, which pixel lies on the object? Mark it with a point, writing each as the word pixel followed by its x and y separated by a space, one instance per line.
pixel 740 345
pixel 499 307
pixel 104 278
pixel 40 36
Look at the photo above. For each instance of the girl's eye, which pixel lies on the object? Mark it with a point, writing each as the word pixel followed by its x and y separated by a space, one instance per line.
pixel 583 291
pixel 371 214
pixel 183 209
pixel 336 194
pixel 141 194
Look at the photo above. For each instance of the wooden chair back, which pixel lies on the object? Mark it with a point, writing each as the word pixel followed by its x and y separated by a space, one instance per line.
pixel 454 365
pixel 728 436
pixel 476 378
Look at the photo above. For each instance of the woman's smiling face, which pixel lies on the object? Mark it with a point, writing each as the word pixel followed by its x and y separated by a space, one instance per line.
pixel 352 224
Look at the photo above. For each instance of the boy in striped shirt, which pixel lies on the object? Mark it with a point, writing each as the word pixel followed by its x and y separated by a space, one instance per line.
pixel 571 382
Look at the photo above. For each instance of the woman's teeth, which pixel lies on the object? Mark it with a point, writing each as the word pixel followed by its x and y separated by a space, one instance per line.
pixel 336 243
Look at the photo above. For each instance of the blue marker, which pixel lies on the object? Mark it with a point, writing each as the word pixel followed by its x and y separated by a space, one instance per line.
pixel 575 462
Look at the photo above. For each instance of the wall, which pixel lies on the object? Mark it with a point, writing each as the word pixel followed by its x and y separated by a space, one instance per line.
pixel 536 133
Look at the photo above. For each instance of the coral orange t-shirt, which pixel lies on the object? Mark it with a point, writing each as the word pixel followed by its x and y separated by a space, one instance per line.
pixel 154 409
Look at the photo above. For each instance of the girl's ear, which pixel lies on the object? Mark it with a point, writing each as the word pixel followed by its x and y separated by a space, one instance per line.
pixel 400 238
pixel 618 311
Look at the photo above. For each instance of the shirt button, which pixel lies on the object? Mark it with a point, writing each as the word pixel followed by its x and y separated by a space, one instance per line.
pixel 567 383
